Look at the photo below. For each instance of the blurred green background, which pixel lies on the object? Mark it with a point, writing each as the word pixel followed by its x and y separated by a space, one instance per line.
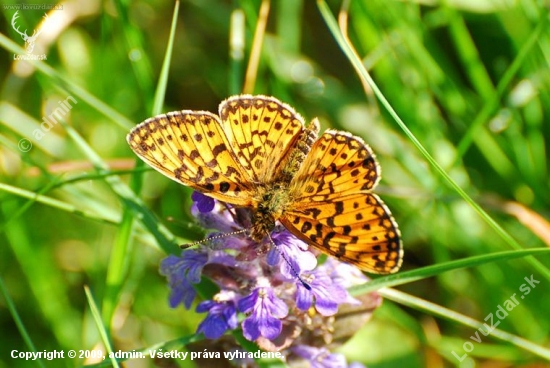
pixel 469 78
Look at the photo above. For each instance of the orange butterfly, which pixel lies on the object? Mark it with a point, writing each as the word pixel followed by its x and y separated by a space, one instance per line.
pixel 259 154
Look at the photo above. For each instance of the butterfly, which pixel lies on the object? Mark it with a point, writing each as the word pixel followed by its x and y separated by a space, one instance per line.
pixel 259 154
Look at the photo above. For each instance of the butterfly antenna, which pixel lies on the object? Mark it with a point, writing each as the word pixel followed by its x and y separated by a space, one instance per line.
pixel 294 271
pixel 219 236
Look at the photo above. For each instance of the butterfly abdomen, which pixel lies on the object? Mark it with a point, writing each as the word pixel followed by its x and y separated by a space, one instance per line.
pixel 274 197
pixel 298 153
pixel 272 202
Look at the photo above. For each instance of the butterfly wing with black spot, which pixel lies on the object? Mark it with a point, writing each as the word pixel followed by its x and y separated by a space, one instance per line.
pixel 263 132
pixel 191 147
pixel 335 210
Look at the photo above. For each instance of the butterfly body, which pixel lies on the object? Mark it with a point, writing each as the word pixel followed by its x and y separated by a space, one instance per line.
pixel 274 197
pixel 271 207
pixel 259 154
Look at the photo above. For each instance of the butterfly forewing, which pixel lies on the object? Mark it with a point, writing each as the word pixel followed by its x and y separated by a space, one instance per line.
pixel 191 148
pixel 263 131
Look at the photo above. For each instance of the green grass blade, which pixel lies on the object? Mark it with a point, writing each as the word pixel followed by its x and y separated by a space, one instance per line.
pixel 163 79
pixel 18 322
pixel 118 265
pixel 237 44
pixel 100 327
pixel 437 269
pixel 468 54
pixel 55 203
pixel 491 105
pixel 448 314
pixel 139 59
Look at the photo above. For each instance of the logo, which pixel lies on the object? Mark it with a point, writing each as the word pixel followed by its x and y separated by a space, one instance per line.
pixel 29 40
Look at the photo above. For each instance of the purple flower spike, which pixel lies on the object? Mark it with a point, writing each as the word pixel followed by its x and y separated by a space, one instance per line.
pixel 222 316
pixel 266 310
pixel 327 294
pixel 320 357
pixel 204 203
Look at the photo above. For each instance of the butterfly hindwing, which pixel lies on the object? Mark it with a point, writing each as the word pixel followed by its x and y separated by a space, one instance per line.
pixel 339 163
pixel 357 229
pixel 334 209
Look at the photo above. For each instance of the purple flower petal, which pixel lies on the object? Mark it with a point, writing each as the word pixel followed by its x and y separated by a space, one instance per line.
pixel 344 274
pixel 248 303
pixel 327 294
pixel 273 256
pixel 296 256
pixel 182 292
pixel 261 325
pixel 188 266
pixel 304 297
pixel 230 316
pixel 212 327
pixel 222 316
pixel 204 203
pixel 324 302
pixel 320 357
pixel 205 306
pixel 168 264
pixel 265 311
pixel 182 272
pixel 276 306
pixel 270 327
pixel 222 258
pixel 219 220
